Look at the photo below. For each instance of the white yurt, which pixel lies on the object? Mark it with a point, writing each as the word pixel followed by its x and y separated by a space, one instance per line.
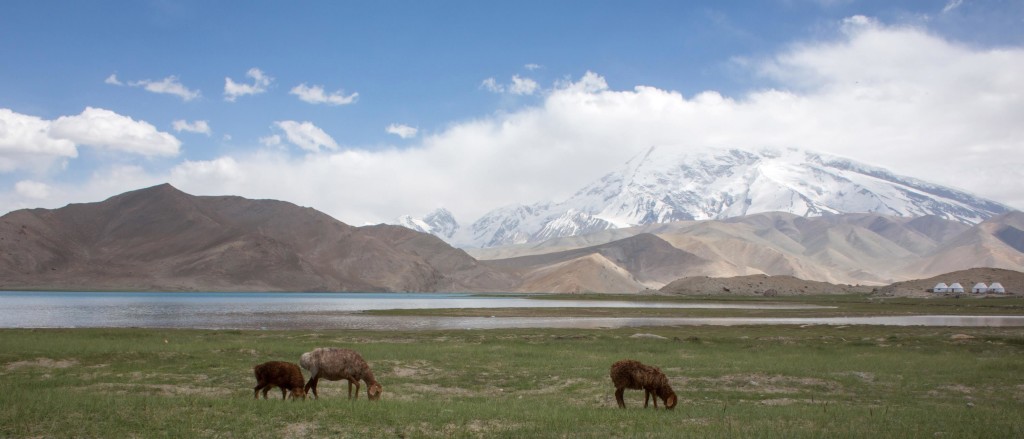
pixel 955 287
pixel 996 287
pixel 940 287
pixel 980 288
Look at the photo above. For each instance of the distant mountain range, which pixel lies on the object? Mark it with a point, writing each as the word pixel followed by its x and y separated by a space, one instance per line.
pixel 663 186
pixel 868 249
pixel 162 239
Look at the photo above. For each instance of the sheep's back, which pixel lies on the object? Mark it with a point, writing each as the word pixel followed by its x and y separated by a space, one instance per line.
pixel 633 374
pixel 279 373
pixel 335 364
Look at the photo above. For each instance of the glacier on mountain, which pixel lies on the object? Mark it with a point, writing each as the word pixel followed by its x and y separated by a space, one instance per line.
pixel 440 223
pixel 665 184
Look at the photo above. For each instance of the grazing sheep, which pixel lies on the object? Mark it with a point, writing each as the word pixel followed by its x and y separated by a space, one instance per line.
pixel 632 374
pixel 286 376
pixel 340 364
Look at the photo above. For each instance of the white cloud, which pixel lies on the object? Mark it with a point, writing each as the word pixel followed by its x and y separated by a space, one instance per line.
pixel 897 97
pixel 522 86
pixel 491 85
pixel 316 95
pixel 401 130
pixel 519 86
pixel 26 143
pixel 305 135
pixel 858 23
pixel 951 5
pixel 532 67
pixel 199 126
pixel 106 129
pixel 272 140
pixel 24 134
pixel 260 82
pixel 169 85
pixel 32 189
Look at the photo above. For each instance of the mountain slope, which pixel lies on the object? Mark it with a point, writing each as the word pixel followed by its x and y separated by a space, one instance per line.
pixel 868 249
pixel 625 266
pixel 994 243
pixel 160 238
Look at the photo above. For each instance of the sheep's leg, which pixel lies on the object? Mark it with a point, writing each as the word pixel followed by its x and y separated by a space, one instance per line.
pixel 618 397
pixel 647 394
pixel 265 390
pixel 284 393
pixel 357 388
pixel 256 390
pixel 312 385
pixel 314 373
pixel 350 389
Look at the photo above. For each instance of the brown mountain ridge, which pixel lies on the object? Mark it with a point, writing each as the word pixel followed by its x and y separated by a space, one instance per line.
pixel 160 238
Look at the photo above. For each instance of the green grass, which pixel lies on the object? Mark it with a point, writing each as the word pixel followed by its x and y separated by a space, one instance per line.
pixel 757 381
pixel 847 305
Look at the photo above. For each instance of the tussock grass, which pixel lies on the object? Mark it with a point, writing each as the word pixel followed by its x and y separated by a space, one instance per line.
pixel 765 382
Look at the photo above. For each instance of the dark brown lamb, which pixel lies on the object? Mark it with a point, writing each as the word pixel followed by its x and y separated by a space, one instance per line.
pixel 632 374
pixel 286 376
pixel 340 364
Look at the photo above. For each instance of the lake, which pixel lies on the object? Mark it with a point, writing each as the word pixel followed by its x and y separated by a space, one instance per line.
pixel 343 311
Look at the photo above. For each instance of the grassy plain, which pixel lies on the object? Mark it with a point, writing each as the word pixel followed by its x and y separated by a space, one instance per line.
pixel 745 381
pixel 846 305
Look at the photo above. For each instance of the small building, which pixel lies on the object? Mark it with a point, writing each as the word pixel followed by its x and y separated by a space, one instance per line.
pixel 980 288
pixel 940 287
pixel 955 287
pixel 996 287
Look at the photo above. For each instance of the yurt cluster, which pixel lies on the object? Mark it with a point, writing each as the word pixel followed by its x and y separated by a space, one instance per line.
pixel 979 288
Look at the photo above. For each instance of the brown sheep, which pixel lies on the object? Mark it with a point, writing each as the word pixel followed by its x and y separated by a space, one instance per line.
pixel 340 364
pixel 632 374
pixel 286 376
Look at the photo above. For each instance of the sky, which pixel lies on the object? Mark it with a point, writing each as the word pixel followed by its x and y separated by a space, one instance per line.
pixel 371 110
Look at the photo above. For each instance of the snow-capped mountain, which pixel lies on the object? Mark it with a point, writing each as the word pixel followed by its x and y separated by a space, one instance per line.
pixel 440 223
pixel 664 185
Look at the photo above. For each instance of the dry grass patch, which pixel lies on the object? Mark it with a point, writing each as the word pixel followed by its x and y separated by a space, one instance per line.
pixel 761 383
pixel 298 430
pixel 558 385
pixel 167 390
pixel 951 389
pixel 866 377
pixel 472 428
pixel 412 392
pixel 789 401
pixel 414 369
pixel 44 363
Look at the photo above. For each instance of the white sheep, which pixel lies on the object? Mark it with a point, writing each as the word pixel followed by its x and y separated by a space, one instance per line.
pixel 339 364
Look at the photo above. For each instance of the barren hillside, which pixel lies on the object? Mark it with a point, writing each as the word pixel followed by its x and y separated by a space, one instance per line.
pixel 160 238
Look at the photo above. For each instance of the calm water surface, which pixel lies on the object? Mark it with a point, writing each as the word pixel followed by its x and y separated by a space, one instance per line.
pixel 342 311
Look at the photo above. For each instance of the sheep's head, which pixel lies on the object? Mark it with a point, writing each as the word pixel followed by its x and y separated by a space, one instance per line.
pixel 373 391
pixel 670 400
pixel 297 393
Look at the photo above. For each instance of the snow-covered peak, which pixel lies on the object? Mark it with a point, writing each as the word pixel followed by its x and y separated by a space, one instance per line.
pixel 440 222
pixel 666 184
